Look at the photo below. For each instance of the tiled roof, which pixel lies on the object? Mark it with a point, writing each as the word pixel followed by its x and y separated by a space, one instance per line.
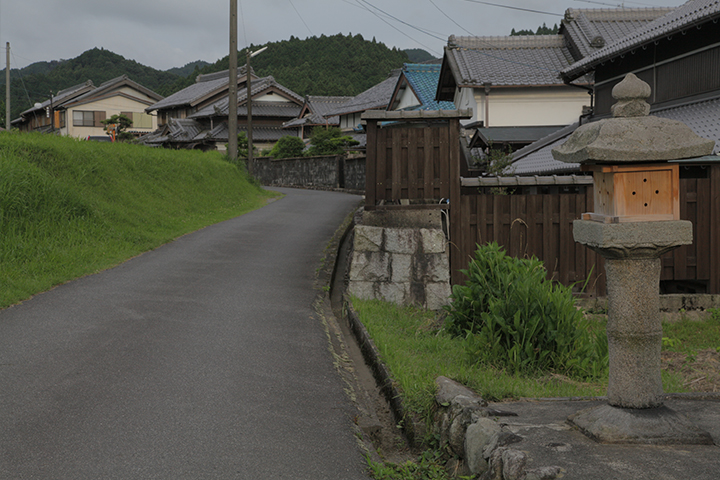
pixel 692 13
pixel 63 96
pixel 110 85
pixel 588 30
pixel 515 60
pixel 317 107
pixel 271 109
pixel 702 116
pixel 374 98
pixel 203 86
pixel 220 108
pixel 489 135
pixel 423 79
pixel 260 134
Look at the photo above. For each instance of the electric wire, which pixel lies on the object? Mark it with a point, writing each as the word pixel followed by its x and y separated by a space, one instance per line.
pixel 449 18
pixel 301 18
pixel 515 8
pixel 242 19
pixel 394 27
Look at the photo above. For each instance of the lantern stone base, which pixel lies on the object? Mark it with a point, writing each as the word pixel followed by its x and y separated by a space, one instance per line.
pixel 635 411
pixel 650 426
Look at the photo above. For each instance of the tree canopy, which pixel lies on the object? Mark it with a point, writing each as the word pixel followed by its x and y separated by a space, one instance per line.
pixel 542 30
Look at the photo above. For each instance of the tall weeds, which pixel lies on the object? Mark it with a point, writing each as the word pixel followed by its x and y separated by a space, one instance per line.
pixel 513 318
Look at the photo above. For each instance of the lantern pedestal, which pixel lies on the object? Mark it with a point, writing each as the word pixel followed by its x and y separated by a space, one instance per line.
pixel 635 411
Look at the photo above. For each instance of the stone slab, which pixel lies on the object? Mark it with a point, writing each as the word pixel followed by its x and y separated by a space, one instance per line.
pixel 633 239
pixel 549 440
pixel 650 426
pixel 403 218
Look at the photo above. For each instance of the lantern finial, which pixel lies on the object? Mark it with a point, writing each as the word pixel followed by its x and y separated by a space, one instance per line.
pixel 630 95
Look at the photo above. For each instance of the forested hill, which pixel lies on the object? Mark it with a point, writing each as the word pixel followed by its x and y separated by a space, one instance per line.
pixel 325 65
pixel 334 65
pixel 35 82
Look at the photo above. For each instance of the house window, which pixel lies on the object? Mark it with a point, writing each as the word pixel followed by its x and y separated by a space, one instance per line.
pixel 84 118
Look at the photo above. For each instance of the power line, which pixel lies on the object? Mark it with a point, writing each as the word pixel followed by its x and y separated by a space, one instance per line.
pixel 242 17
pixel 301 18
pixel 515 8
pixel 393 26
pixel 448 17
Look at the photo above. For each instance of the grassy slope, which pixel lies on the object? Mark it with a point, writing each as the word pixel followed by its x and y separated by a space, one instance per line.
pixel 69 207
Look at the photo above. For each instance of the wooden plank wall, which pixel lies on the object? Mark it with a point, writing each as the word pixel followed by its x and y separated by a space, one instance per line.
pixel 699 203
pixel 414 163
pixel 541 225
pixel 528 225
pixel 409 162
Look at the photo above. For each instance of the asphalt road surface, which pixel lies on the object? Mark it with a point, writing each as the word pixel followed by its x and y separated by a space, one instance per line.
pixel 203 359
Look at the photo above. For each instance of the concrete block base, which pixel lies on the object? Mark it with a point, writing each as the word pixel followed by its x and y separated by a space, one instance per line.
pixel 650 426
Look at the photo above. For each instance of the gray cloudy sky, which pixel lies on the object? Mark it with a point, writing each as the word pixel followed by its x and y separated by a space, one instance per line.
pixel 171 33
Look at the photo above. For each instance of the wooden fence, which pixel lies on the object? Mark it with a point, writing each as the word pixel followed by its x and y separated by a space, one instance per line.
pixel 414 160
pixel 409 164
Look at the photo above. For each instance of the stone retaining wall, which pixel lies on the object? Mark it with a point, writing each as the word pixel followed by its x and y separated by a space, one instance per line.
pixel 481 444
pixel 405 266
pixel 333 171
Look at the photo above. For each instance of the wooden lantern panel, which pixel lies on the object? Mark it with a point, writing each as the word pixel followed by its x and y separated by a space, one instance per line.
pixel 635 193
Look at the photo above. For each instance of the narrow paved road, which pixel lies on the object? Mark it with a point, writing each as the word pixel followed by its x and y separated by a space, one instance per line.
pixel 203 359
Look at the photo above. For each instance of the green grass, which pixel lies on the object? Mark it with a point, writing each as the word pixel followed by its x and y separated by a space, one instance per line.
pixel 688 336
pixel 417 350
pixel 69 208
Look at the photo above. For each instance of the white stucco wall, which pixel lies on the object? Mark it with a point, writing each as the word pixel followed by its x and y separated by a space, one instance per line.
pixel 407 99
pixel 271 97
pixel 522 107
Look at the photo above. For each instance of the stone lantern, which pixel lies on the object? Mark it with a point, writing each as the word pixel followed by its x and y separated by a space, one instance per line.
pixel 636 220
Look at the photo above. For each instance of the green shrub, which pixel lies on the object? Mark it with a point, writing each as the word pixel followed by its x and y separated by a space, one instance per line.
pixel 288 147
pixel 514 318
pixel 329 141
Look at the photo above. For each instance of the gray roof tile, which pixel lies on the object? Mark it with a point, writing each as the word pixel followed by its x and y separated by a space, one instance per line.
pixel 702 116
pixel 691 13
pixel 588 30
pixel 63 96
pixel 514 60
pixel 220 108
pixel 204 86
pixel 374 98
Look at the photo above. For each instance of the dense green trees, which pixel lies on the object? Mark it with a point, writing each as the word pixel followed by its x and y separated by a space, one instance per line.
pixel 36 82
pixel 288 147
pixel 325 65
pixel 543 30
pixel 329 141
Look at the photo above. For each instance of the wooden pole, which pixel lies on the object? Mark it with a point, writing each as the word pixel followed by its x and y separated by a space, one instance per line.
pixel 232 92
pixel 249 115
pixel 7 89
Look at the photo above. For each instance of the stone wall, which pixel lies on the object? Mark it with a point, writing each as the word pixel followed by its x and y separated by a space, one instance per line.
pixel 480 444
pixel 405 266
pixel 333 171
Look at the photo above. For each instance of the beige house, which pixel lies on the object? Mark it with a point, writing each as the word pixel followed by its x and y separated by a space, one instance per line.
pixel 79 112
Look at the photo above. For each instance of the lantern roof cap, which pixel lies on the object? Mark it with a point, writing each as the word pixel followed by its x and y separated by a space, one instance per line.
pixel 632 135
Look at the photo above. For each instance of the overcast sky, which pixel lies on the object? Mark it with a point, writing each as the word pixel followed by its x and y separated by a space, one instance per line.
pixel 171 33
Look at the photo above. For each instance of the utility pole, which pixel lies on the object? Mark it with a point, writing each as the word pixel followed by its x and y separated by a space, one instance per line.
pixel 249 107
pixel 7 89
pixel 249 114
pixel 232 93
